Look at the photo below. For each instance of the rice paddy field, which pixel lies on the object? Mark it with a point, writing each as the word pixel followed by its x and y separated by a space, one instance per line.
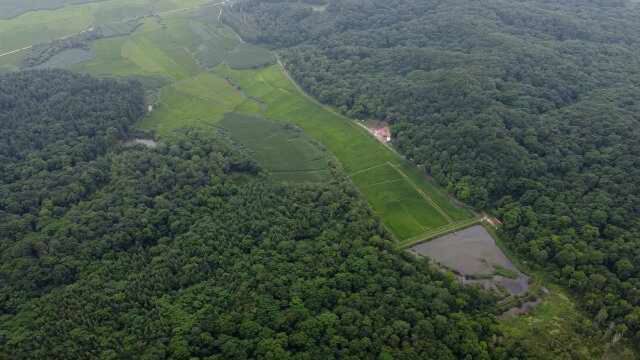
pixel 211 78
pixel 283 149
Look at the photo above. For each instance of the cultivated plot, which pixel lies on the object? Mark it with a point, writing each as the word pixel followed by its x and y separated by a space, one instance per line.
pixel 405 202
pixel 398 201
pixel 283 149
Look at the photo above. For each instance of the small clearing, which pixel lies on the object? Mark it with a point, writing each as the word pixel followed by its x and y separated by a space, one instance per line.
pixel 380 130
pixel 145 142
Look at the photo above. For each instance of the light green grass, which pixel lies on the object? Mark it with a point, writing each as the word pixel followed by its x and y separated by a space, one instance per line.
pixel 284 150
pixel 436 193
pixel 109 60
pixel 13 8
pixel 161 50
pixel 352 145
pixel 404 212
pixel 43 26
pixel 201 100
pixel 375 175
pixel 247 56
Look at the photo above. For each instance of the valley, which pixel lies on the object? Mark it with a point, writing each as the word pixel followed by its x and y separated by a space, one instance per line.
pixel 198 73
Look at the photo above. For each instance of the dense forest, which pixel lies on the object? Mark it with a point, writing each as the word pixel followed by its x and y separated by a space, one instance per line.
pixel 189 250
pixel 529 109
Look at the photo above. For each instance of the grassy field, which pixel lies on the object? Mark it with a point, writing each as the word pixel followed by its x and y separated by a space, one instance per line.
pixel 285 150
pixel 210 72
pixel 36 27
pixel 407 203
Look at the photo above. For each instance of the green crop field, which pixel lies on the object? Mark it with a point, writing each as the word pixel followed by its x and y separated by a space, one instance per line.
pixel 209 73
pixel 37 27
pixel 12 8
pixel 67 58
pixel 283 149
pixel 406 202
pixel 247 56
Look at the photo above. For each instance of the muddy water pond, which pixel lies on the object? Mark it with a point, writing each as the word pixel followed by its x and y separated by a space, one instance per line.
pixel 473 255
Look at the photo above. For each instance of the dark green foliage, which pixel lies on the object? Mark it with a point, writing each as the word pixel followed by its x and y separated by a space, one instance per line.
pixel 526 107
pixel 189 251
pixel 54 128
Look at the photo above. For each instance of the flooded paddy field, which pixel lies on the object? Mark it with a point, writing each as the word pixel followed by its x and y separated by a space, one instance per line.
pixel 474 256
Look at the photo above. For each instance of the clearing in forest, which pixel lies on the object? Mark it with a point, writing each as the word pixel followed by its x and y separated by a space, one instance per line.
pixel 408 204
pixel 283 149
pixel 198 72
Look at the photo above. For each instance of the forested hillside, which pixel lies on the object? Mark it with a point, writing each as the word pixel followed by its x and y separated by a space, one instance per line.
pixel 55 128
pixel 527 108
pixel 189 250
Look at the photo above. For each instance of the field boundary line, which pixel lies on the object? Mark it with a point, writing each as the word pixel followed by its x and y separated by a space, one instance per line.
pixel 381 183
pixel 367 169
pixel 422 193
pixel 439 231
